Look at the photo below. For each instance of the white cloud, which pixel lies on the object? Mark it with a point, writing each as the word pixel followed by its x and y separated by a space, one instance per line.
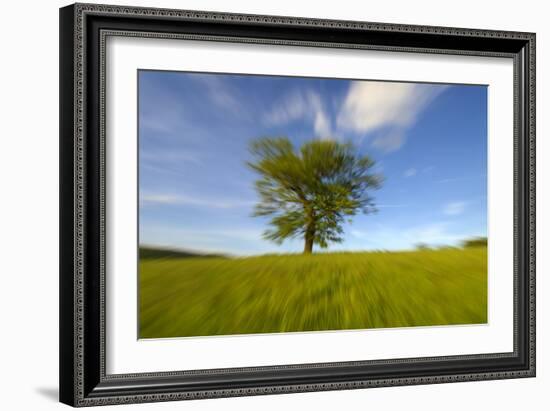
pixel 164 116
pixel 388 108
pixel 389 142
pixel 370 105
pixel 392 238
pixel 450 180
pixel 163 170
pixel 301 105
pixel 373 104
pixel 393 107
pixel 168 113
pixel 158 199
pixel 171 156
pixel 391 205
pixel 463 178
pixel 220 93
pixel 289 109
pixel 454 208
pixel 411 172
pixel 436 233
pixel 242 241
pixel 169 199
pixel 321 125
pixel 359 234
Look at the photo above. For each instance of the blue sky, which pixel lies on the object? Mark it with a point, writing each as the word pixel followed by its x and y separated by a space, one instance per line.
pixel 196 192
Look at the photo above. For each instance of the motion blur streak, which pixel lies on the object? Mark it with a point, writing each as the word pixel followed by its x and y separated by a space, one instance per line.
pixel 183 296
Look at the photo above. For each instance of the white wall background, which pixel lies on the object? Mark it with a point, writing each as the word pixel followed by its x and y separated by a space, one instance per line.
pixel 29 206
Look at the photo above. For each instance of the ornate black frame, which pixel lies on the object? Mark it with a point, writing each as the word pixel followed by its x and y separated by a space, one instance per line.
pixel 83 30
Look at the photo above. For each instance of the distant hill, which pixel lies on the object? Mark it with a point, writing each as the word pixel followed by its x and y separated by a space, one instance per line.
pixel 156 253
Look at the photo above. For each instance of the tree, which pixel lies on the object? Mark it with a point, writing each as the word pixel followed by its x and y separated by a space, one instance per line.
pixel 475 242
pixel 422 246
pixel 310 192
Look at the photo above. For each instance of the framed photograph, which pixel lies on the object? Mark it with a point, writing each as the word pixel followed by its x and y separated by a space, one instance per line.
pixel 261 204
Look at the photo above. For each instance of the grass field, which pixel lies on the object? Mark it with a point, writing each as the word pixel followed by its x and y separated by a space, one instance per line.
pixel 198 296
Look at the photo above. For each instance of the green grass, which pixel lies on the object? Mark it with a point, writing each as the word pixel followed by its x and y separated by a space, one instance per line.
pixel 197 296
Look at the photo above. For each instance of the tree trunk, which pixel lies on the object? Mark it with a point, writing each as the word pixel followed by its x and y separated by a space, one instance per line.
pixel 309 237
